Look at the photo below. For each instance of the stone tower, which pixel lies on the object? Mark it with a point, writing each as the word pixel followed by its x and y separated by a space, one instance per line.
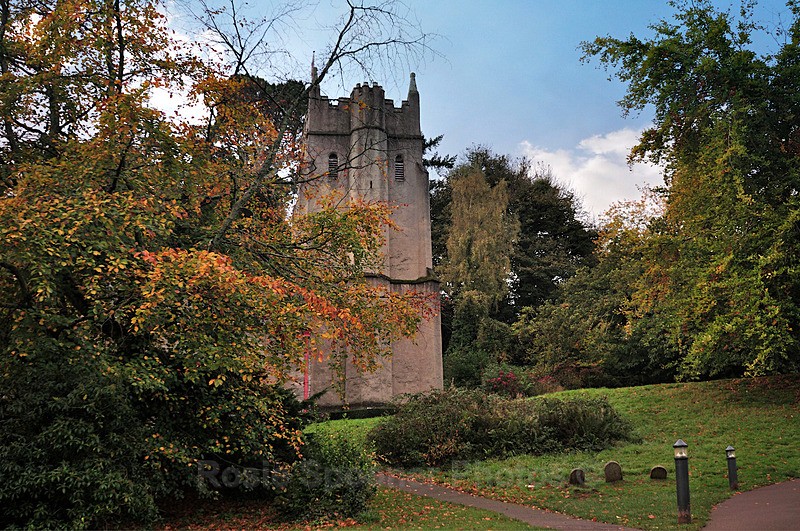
pixel 363 146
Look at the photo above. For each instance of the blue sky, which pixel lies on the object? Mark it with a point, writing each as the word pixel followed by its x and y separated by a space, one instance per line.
pixel 508 76
pixel 511 78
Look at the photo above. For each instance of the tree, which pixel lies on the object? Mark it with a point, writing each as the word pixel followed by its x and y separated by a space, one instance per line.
pixel 725 127
pixel 504 236
pixel 434 160
pixel 552 242
pixel 480 238
pixel 152 306
pixel 476 271
pixel 591 321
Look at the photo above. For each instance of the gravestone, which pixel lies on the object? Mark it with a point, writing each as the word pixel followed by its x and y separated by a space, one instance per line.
pixel 658 472
pixel 577 477
pixel 613 472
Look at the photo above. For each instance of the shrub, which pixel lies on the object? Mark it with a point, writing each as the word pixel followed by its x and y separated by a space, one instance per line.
pixel 429 428
pixel 548 378
pixel 443 426
pixel 580 375
pixel 335 480
pixel 66 445
pixel 80 447
pixel 496 338
pixel 540 385
pixel 583 423
pixel 463 366
pixel 502 382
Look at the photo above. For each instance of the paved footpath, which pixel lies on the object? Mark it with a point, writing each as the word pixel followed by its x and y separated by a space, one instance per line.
pixel 529 515
pixel 776 507
pixel 772 508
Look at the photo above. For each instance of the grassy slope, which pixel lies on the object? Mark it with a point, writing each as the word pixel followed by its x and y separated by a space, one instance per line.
pixel 760 417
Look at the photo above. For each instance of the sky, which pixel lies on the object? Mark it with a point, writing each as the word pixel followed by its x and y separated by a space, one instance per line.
pixel 511 78
pixel 507 75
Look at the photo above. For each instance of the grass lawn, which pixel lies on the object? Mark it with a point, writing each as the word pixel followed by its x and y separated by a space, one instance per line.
pixel 399 510
pixel 759 417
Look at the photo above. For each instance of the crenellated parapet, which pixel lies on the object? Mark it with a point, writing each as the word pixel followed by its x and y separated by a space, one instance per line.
pixel 367 106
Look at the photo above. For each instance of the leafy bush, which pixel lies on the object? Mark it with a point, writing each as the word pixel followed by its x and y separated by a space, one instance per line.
pixel 429 428
pixel 514 381
pixel 502 382
pixel 580 375
pixel 335 480
pixel 572 375
pixel 583 423
pixel 496 338
pixel 80 447
pixel 71 447
pixel 463 366
pixel 541 385
pixel 443 426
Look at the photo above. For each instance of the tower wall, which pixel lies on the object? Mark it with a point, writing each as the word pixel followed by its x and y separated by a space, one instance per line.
pixel 379 150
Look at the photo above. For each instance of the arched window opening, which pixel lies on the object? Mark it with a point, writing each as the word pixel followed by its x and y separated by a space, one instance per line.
pixel 399 169
pixel 333 166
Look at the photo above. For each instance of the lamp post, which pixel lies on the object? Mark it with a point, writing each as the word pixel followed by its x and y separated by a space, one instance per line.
pixel 733 476
pixel 682 481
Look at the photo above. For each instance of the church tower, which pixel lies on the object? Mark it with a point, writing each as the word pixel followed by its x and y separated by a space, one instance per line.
pixel 363 146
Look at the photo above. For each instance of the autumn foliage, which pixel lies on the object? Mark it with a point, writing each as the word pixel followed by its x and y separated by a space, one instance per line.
pixel 155 291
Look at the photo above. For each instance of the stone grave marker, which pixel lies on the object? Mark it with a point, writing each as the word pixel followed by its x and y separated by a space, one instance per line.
pixel 613 472
pixel 658 472
pixel 577 477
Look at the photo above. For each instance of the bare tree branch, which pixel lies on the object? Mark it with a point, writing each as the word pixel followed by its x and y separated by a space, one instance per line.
pixel 368 34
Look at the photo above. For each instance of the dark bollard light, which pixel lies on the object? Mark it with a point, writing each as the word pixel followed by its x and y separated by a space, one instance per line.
pixel 733 476
pixel 682 481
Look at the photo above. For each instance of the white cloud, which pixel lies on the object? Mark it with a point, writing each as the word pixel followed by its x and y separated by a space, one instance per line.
pixel 597 169
pixel 615 142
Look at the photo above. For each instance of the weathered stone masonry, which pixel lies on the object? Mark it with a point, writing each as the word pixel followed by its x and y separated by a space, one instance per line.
pixel 373 150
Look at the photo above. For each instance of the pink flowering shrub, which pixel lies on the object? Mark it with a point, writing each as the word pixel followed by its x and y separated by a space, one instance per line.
pixel 506 383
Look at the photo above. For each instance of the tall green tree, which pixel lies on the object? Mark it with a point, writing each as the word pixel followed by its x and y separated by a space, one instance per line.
pixel 477 270
pixel 719 269
pixel 591 321
pixel 504 237
pixel 554 241
pixel 440 197
pixel 481 237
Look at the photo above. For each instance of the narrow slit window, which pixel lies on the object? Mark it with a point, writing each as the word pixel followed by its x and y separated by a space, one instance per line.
pixel 333 166
pixel 399 169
